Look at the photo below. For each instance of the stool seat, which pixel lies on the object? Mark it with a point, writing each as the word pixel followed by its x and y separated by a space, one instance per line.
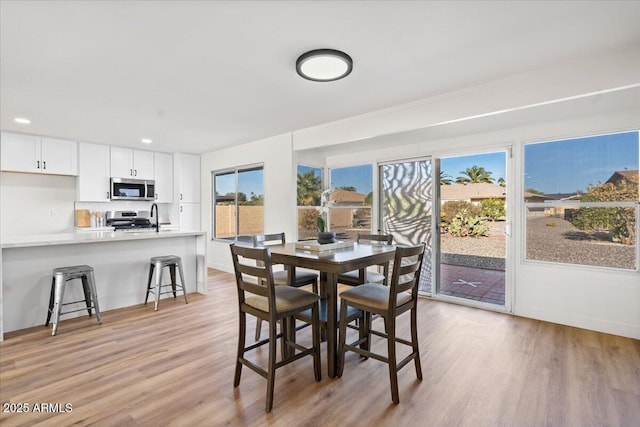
pixel 159 263
pixel 61 276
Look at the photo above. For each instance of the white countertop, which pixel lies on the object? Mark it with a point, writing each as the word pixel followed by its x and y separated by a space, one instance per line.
pixel 90 237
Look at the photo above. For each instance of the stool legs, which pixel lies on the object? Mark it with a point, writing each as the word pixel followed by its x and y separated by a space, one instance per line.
pixel 158 266
pixel 158 282
pixel 94 295
pixel 57 303
pixel 184 291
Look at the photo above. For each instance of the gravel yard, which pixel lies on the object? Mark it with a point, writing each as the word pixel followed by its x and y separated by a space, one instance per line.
pixel 548 239
pixel 554 239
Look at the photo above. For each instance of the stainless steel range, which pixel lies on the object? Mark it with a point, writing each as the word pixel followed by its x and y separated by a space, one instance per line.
pixel 128 220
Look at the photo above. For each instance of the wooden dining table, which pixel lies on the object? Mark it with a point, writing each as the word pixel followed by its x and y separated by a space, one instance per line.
pixel 330 264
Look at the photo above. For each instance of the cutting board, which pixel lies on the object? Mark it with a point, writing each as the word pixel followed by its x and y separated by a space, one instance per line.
pixel 83 218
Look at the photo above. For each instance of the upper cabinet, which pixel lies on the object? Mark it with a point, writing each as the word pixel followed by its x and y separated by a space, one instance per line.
pixel 164 177
pixel 130 163
pixel 188 178
pixel 36 154
pixel 93 173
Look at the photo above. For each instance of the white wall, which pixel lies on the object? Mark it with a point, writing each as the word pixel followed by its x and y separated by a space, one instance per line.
pixel 279 189
pixel 553 103
pixel 36 204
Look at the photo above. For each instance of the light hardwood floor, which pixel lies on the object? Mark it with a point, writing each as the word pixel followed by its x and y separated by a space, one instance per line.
pixel 175 367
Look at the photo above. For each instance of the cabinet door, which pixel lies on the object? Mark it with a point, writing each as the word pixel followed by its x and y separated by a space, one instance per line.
pixel 121 162
pixel 20 153
pixel 93 172
pixel 143 162
pixel 164 177
pixel 189 178
pixel 59 156
pixel 190 216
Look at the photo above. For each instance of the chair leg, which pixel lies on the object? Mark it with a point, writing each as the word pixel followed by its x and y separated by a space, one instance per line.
pixel 51 297
pixel 314 286
pixel 414 341
pixel 342 331
pixel 241 343
pixel 317 369
pixel 393 367
pixel 271 370
pixel 365 331
pixel 151 267
pixel 258 328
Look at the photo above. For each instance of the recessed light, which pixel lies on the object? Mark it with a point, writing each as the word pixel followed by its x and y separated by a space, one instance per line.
pixel 324 65
pixel 22 120
pixel 146 140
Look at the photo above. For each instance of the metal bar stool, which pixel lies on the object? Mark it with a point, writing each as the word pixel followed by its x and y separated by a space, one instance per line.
pixel 159 263
pixel 60 278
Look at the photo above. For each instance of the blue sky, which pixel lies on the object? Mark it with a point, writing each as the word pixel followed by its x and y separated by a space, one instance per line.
pixel 491 162
pixel 573 164
pixel 360 177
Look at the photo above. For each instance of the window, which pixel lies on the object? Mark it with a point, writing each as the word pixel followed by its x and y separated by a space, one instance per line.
pixel 309 185
pixel 238 203
pixel 351 199
pixel 581 200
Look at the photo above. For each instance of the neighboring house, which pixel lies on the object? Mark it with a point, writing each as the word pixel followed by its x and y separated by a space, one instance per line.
pixel 620 175
pixel 473 193
pixel 346 197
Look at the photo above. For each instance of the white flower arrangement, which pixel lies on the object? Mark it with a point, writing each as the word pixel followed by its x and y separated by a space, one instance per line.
pixel 325 206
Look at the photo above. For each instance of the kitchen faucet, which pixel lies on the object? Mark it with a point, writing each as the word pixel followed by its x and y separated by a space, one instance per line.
pixel 155 205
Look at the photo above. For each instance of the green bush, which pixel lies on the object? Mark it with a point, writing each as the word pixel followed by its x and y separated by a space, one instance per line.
pixel 450 210
pixel 493 208
pixel 463 226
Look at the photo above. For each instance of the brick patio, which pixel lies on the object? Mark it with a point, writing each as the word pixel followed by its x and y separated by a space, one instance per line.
pixel 477 284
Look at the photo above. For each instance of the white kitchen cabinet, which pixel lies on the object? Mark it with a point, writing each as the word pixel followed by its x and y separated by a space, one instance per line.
pixel 35 154
pixel 188 177
pixel 130 163
pixel 190 216
pixel 93 172
pixel 163 167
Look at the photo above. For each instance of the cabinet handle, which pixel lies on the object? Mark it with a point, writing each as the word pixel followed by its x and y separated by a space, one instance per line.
pixel 38 164
pixel 44 165
pixel 130 172
pixel 180 196
pixel 135 172
pixel 180 208
pixel 156 196
pixel 108 195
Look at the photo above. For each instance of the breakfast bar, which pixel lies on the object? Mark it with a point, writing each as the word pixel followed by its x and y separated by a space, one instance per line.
pixel 120 260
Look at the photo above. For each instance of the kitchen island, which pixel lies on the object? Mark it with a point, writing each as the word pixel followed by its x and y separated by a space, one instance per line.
pixel 120 261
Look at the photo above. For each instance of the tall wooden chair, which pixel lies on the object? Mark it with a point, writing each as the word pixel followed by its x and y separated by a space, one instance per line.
pixel 388 302
pixel 258 296
pixel 301 278
pixel 357 277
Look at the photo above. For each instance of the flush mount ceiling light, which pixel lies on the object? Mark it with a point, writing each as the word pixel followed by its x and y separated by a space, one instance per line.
pixel 22 120
pixel 146 141
pixel 324 65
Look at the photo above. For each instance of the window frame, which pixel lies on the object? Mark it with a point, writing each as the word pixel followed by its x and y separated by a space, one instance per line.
pixel 353 206
pixel 235 171
pixel 572 204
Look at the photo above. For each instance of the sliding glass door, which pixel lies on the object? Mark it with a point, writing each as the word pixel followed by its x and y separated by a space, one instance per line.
pixel 473 228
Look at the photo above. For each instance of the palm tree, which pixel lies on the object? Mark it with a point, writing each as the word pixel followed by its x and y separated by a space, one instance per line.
pixel 309 189
pixel 475 174
pixel 445 179
pixel 502 182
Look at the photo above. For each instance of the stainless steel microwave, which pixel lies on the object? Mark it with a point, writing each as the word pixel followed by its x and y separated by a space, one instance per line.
pixel 132 189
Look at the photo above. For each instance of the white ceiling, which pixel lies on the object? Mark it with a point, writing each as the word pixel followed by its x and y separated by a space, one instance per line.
pixel 195 76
